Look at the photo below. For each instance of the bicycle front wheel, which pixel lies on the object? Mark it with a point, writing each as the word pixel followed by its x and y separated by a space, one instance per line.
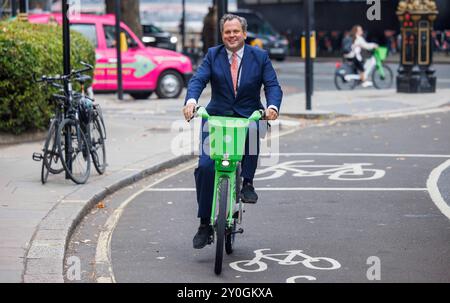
pixel 221 224
pixel 78 148
pixel 44 172
pixel 383 81
pixel 98 149
pixel 50 152
pixel 231 231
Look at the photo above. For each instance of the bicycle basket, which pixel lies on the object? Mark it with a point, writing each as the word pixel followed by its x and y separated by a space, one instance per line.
pixel 381 53
pixel 227 137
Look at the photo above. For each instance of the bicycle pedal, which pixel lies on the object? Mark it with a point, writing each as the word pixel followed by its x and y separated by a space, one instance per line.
pixel 211 239
pixel 239 231
pixel 37 157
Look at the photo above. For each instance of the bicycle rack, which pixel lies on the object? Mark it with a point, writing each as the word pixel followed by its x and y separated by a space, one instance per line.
pixel 37 157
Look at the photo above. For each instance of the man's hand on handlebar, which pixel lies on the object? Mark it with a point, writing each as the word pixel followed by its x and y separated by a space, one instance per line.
pixel 188 111
pixel 271 114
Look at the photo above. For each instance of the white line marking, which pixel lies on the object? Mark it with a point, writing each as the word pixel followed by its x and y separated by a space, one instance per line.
pixel 294 278
pixel 172 189
pixel 343 172
pixel 103 251
pixel 433 189
pixel 415 111
pixel 73 201
pixel 359 155
pixel 179 189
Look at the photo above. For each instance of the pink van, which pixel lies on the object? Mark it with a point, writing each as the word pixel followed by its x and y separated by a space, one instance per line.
pixel 145 69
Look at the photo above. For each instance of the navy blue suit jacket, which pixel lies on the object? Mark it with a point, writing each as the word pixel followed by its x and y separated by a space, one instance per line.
pixel 256 71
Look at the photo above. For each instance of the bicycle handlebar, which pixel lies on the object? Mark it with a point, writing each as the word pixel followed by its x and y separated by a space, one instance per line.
pixel 199 110
pixel 73 73
pixel 80 71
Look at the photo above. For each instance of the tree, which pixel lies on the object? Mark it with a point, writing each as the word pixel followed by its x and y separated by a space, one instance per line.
pixel 38 5
pixel 129 10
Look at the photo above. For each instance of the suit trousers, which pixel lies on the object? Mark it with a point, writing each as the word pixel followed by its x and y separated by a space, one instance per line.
pixel 204 173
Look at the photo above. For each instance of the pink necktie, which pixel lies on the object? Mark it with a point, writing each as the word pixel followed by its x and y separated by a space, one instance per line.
pixel 234 71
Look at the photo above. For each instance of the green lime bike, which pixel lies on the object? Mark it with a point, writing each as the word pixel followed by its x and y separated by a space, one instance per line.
pixel 227 137
pixel 346 76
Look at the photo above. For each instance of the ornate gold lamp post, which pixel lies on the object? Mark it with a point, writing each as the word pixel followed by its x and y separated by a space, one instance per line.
pixel 415 74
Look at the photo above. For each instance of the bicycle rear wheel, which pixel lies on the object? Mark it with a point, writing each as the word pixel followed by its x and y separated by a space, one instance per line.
pixel 99 114
pixel 339 78
pixel 98 149
pixel 230 238
pixel 221 224
pixel 78 151
pixel 383 82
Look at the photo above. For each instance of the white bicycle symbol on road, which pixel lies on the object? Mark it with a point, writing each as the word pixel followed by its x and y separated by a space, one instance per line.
pixel 257 265
pixel 342 172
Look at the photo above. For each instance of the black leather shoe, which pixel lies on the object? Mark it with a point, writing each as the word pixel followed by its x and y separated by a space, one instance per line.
pixel 248 194
pixel 204 235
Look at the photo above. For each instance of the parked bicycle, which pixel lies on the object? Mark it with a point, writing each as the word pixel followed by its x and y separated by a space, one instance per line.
pixel 93 125
pixel 51 162
pixel 346 76
pixel 78 125
pixel 227 137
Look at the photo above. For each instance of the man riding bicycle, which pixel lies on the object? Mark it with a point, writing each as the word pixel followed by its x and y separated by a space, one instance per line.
pixel 236 72
pixel 358 44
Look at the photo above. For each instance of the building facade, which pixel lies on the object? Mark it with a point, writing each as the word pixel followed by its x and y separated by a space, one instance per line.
pixel 334 17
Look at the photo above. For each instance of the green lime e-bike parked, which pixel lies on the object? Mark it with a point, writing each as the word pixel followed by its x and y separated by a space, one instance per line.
pixel 227 137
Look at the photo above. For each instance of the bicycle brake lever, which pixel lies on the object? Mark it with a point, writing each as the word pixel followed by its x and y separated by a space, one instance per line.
pixel 195 113
pixel 263 114
pixel 86 64
pixel 193 116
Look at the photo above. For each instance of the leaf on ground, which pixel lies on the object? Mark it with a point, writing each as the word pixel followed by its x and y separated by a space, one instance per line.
pixel 101 204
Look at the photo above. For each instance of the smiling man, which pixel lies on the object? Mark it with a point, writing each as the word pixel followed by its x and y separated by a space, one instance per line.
pixel 236 72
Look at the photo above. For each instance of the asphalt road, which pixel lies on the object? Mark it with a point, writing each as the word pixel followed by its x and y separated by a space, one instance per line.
pixel 291 75
pixel 347 202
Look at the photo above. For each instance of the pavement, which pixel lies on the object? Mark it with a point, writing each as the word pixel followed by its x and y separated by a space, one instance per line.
pixel 36 221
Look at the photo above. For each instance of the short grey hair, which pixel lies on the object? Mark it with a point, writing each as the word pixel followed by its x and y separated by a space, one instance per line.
pixel 229 17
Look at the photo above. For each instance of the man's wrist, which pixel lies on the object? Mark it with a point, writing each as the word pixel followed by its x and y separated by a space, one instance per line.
pixel 191 101
pixel 274 108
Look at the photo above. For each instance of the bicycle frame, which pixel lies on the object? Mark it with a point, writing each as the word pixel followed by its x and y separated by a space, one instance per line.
pixel 380 54
pixel 227 142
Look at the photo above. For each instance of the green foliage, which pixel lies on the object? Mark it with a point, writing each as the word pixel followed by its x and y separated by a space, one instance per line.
pixel 33 49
